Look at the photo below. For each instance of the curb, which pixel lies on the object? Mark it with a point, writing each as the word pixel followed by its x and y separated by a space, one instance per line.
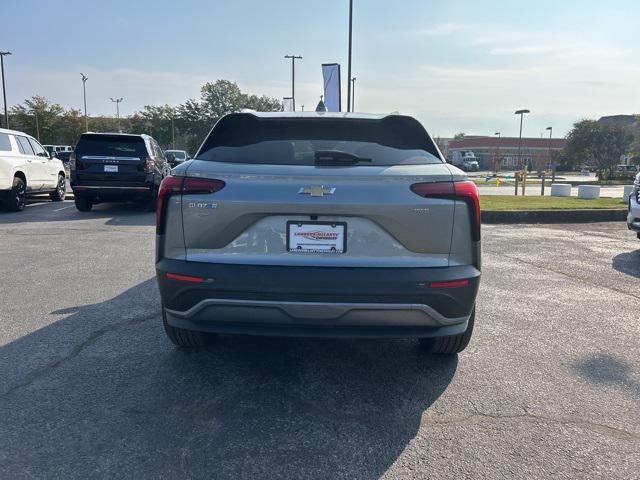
pixel 555 216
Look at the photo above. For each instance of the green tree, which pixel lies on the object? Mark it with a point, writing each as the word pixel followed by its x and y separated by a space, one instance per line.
pixel 38 117
pixel 217 99
pixel 599 145
pixel 157 121
pixel 189 122
pixel 635 146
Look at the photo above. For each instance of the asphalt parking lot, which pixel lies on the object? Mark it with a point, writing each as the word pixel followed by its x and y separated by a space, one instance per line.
pixel 548 388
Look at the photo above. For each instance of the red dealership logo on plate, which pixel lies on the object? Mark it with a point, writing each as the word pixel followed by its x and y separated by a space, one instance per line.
pixel 317 235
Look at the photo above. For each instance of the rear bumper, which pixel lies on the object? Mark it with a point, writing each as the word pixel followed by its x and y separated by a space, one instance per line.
pixel 112 192
pixel 317 301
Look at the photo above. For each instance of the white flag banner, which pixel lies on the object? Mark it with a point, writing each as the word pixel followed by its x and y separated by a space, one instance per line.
pixel 331 77
pixel 287 104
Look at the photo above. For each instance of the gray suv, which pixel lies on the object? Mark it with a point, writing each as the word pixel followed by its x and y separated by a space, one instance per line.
pixel 319 224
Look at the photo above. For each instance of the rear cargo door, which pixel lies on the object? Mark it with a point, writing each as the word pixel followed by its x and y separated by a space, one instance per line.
pixel 276 215
pixel 111 158
pixel 317 190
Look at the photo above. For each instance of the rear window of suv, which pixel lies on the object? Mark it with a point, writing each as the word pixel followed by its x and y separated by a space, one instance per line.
pixel 111 146
pixel 5 144
pixel 245 138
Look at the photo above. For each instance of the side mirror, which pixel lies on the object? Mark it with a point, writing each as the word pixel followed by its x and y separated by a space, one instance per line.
pixel 53 154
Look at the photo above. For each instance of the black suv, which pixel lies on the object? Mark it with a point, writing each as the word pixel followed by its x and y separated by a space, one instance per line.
pixel 116 167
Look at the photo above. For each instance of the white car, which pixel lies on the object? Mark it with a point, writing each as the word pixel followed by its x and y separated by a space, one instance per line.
pixel 27 169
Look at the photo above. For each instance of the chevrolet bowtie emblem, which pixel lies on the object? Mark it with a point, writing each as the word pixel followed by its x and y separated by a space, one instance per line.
pixel 317 191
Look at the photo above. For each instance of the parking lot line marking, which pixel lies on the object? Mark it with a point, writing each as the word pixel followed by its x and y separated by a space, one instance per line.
pixel 63 208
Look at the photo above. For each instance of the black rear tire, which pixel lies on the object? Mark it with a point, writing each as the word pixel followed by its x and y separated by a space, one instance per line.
pixel 15 200
pixel 451 344
pixel 151 202
pixel 187 338
pixel 60 191
pixel 83 204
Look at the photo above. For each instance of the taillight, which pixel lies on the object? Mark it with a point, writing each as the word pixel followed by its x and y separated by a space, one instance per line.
pixel 202 185
pixel 72 161
pixel 183 185
pixel 465 191
pixel 148 165
pixel 168 187
pixel 184 278
pixel 434 189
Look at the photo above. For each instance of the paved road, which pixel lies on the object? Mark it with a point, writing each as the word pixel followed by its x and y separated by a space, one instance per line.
pixel 548 388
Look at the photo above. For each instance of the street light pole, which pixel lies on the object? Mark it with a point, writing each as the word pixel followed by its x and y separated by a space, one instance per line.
pixel 521 113
pixel 293 77
pixel 117 102
pixel 84 93
pixel 551 164
pixel 173 134
pixel 353 94
pixel 496 161
pixel 349 62
pixel 4 89
pixel 35 112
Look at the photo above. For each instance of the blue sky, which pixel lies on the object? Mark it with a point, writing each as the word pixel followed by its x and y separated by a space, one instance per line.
pixel 456 65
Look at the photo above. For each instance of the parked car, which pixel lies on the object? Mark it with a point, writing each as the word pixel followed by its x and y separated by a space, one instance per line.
pixel 116 167
pixel 27 169
pixel 319 224
pixel 633 202
pixel 62 152
pixel 176 157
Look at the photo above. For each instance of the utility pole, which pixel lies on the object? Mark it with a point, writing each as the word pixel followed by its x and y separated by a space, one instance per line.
pixel 4 89
pixel 293 77
pixel 353 94
pixel 84 92
pixel 521 113
pixel 117 102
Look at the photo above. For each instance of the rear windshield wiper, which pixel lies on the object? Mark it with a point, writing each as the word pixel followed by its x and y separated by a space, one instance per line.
pixel 337 157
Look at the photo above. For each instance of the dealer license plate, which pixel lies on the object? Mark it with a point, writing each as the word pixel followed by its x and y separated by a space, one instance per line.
pixel 316 237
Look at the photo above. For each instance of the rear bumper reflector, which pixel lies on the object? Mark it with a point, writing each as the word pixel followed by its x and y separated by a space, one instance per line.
pixel 184 278
pixel 108 187
pixel 449 284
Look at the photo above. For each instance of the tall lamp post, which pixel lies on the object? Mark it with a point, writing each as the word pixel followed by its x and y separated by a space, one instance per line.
pixel 353 94
pixel 293 77
pixel 117 102
pixel 4 89
pixel 521 113
pixel 496 161
pixel 173 133
pixel 84 93
pixel 35 113
pixel 349 62
pixel 551 163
